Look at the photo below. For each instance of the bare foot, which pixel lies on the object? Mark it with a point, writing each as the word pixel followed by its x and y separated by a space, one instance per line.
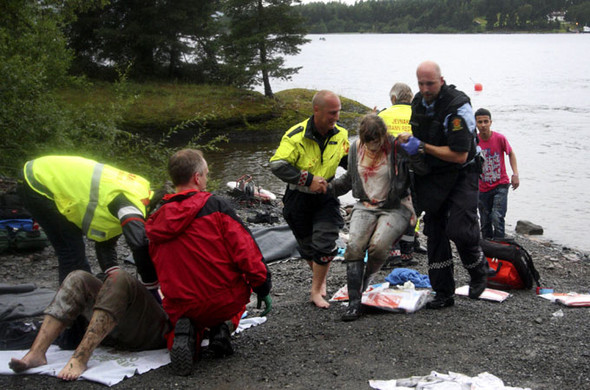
pixel 30 360
pixel 323 290
pixel 72 370
pixel 319 301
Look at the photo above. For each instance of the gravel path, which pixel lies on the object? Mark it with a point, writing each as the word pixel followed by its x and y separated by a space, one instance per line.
pixel 522 340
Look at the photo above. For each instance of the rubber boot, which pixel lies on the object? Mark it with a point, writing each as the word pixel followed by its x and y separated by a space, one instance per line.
pixel 418 248
pixel 354 276
pixel 479 279
pixel 183 349
pixel 220 340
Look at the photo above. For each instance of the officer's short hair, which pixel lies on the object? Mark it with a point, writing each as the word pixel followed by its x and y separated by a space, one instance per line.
pixel 183 164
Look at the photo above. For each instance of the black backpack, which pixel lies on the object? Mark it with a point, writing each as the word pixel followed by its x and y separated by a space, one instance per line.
pixel 11 207
pixel 511 265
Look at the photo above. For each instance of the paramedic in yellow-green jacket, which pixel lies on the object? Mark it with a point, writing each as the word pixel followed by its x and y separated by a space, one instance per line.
pixel 307 159
pixel 72 197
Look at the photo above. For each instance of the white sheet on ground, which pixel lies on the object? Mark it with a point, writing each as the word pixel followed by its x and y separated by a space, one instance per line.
pixel 489 294
pixel 568 299
pixel 106 366
pixel 450 381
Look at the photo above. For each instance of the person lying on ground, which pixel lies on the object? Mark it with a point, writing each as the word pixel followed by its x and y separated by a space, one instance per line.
pixel 207 262
pixel 121 312
pixel 379 178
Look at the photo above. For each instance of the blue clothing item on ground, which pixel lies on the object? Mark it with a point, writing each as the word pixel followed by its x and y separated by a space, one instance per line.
pixel 401 275
pixel 493 205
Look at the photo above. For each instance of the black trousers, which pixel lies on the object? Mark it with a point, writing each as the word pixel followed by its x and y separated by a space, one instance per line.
pixel 315 221
pixel 456 220
pixel 66 238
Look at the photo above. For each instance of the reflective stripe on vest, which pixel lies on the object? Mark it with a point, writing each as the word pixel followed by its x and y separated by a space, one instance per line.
pixel 34 182
pixel 93 202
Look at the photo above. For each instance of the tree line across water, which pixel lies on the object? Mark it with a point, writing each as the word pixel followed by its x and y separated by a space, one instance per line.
pixel 51 46
pixel 444 16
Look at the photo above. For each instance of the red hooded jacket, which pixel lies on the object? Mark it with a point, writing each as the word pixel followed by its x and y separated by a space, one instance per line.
pixel 203 254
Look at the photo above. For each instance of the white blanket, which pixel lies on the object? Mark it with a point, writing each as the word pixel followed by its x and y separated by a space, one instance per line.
pixel 106 366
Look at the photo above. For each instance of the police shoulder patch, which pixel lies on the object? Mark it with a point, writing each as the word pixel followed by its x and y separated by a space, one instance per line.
pixel 457 124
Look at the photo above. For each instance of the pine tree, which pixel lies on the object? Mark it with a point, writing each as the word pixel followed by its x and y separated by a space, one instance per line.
pixel 259 34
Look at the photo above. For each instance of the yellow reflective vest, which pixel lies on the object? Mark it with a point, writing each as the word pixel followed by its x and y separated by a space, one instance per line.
pixel 397 118
pixel 299 148
pixel 82 190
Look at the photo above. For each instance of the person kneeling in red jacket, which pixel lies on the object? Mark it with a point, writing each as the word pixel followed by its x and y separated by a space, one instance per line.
pixel 206 260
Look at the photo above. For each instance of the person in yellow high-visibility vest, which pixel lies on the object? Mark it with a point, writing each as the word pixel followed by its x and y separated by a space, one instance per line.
pixel 397 120
pixel 307 158
pixel 72 197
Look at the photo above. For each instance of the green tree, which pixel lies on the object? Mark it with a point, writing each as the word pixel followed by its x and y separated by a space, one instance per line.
pixel 260 33
pixel 579 13
pixel 33 63
pixel 154 36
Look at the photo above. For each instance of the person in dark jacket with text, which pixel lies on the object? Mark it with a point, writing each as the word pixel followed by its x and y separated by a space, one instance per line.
pixel 443 128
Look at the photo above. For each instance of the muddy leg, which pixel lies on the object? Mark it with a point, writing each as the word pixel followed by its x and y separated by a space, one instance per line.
pixel 50 329
pixel 101 324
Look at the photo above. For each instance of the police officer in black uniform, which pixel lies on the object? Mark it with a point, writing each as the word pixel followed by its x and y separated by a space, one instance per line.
pixel 446 184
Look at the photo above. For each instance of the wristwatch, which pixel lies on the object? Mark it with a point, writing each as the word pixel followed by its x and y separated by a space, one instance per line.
pixel 421 148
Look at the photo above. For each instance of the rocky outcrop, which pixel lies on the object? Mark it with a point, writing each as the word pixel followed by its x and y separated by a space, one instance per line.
pixel 527 227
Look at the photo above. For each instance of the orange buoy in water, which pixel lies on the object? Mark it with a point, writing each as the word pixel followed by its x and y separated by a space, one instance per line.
pixel 478 87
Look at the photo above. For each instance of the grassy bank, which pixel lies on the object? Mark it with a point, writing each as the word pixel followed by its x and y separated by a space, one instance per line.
pixel 155 108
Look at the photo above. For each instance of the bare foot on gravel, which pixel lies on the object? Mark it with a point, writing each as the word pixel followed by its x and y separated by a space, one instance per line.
pixel 319 301
pixel 30 360
pixel 72 370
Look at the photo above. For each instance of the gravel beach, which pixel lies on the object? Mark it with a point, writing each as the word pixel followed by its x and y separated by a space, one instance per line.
pixel 526 341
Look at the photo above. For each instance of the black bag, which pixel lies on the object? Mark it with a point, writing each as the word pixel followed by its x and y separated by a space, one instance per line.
pixel 512 266
pixel 16 335
pixel 21 234
pixel 11 207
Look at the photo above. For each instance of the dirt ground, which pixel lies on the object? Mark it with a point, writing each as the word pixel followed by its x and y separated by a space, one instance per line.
pixel 524 341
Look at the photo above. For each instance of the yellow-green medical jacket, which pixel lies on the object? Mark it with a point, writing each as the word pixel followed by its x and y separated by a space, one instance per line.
pixel 82 190
pixel 397 119
pixel 300 156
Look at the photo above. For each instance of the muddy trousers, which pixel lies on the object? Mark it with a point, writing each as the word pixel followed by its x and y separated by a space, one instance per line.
pixel 373 230
pixel 456 221
pixel 141 321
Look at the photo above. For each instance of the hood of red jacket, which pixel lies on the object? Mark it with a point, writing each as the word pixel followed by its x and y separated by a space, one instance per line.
pixel 175 216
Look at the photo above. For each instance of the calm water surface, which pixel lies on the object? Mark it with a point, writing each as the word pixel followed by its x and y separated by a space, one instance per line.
pixel 536 86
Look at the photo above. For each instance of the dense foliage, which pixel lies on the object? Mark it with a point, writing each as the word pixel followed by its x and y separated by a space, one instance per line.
pixel 34 118
pixel 441 16
pixel 231 42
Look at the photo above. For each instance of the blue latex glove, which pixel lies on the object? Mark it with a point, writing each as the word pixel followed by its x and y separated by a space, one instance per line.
pixel 267 304
pixel 411 147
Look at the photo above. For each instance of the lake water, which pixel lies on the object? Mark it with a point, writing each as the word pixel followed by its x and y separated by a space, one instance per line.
pixel 537 87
